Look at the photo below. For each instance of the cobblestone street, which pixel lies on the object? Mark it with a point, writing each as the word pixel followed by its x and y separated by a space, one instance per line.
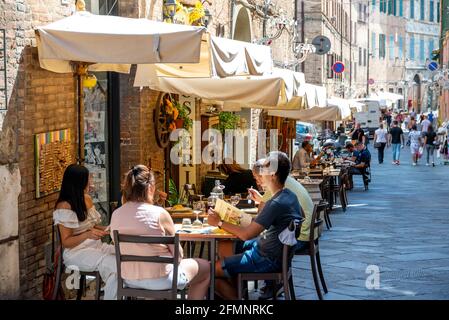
pixel 400 225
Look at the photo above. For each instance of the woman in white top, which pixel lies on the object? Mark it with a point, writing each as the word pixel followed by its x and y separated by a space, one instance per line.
pixel 380 139
pixel 81 233
pixel 138 216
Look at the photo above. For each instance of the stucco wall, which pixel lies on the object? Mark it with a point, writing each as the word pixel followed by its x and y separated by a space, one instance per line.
pixel 9 222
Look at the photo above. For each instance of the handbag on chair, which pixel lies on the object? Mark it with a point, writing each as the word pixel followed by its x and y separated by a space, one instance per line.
pixel 49 284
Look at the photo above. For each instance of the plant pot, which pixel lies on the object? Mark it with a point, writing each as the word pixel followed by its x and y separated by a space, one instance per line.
pixel 179 123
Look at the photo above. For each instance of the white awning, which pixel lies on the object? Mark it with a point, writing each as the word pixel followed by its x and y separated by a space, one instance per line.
pixel 275 89
pixel 316 95
pixel 248 90
pixel 113 43
pixel 343 104
pixel 331 113
pixel 388 96
pixel 222 58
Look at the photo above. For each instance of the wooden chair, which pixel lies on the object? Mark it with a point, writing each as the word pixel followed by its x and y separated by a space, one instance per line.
pixel 122 290
pixel 284 276
pixel 313 249
pixel 192 196
pixel 83 274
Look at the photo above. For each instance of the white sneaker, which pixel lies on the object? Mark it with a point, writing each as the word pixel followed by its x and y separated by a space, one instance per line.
pixel 427 164
pixel 414 163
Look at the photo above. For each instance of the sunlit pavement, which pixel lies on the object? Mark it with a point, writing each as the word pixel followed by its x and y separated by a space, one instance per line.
pixel 400 225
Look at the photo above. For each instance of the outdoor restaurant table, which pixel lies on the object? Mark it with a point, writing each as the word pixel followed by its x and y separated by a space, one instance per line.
pixel 196 235
pixel 313 187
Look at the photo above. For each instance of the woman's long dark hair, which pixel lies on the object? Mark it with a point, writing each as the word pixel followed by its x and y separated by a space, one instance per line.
pixel 74 182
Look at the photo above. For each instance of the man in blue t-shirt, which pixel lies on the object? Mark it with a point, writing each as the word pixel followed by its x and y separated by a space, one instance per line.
pixel 362 162
pixel 264 252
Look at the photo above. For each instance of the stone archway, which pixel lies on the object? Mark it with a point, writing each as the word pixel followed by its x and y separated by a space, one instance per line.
pixel 242 25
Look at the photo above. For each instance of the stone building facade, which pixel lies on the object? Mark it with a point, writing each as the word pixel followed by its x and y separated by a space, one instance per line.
pixel 345 23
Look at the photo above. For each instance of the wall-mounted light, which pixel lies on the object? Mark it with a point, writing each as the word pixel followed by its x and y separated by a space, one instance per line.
pixel 207 19
pixel 169 9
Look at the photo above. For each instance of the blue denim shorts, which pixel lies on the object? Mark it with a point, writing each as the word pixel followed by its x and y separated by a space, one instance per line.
pixel 251 260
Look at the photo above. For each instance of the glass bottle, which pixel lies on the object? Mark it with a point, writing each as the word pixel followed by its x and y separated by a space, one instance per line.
pixel 218 189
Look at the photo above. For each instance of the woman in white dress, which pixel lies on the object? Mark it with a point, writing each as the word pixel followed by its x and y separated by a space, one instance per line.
pixel 81 233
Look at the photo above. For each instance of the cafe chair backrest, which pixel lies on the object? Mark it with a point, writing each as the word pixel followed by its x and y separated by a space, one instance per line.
pixel 123 258
pixel 316 221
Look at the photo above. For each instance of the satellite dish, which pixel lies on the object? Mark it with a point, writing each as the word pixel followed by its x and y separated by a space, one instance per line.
pixel 322 44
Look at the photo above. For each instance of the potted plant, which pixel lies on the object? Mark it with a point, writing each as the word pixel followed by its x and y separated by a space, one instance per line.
pixel 174 197
pixel 178 115
pixel 227 120
pixel 183 120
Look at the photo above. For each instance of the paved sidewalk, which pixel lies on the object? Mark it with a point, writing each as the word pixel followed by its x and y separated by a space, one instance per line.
pixel 400 225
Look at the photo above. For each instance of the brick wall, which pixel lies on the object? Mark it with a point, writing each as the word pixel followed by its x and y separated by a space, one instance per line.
pixel 138 142
pixel 39 101
pixel 49 104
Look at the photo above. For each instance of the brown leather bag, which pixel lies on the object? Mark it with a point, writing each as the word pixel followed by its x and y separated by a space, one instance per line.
pixel 49 284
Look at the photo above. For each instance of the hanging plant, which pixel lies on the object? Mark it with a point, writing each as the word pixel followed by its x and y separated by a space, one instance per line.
pixel 183 117
pixel 227 120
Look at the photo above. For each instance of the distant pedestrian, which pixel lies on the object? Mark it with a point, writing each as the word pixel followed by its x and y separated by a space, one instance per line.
pixel 430 117
pixel 413 113
pixel 396 140
pixel 388 118
pixel 411 123
pixel 380 141
pixel 425 125
pixel 415 144
pixel 430 140
pixel 399 118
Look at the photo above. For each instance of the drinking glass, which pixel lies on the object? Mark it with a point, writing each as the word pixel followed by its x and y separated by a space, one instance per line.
pixel 198 207
pixel 205 224
pixel 186 223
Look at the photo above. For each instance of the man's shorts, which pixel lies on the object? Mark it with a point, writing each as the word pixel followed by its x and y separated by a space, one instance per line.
pixel 250 261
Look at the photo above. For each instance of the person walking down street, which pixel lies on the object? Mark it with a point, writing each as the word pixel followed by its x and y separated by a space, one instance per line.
pixel 380 141
pixel 430 140
pixel 396 140
pixel 388 119
pixel 415 144
pixel 430 117
pixel 411 123
pixel 425 125
pixel 399 118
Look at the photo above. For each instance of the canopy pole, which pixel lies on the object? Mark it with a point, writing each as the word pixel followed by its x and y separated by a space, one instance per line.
pixel 81 73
